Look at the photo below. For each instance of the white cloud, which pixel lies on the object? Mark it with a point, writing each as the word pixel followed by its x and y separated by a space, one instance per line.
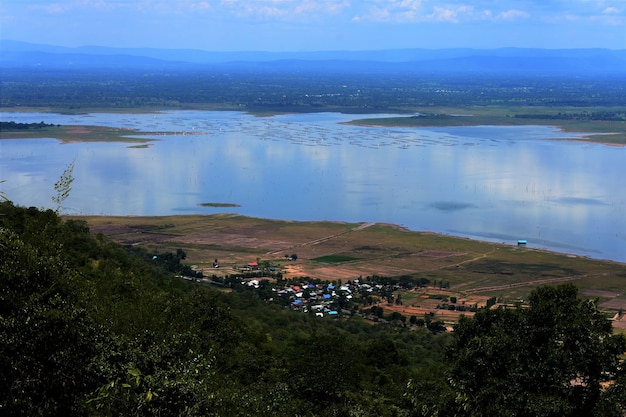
pixel 451 11
pixel 444 14
pixel 512 14
pixel 611 10
pixel 201 5
pixel 284 9
pixel 297 24
pixel 609 20
pixel 69 6
pixel 458 11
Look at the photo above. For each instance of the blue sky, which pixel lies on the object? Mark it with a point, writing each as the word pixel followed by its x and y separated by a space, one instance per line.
pixel 309 25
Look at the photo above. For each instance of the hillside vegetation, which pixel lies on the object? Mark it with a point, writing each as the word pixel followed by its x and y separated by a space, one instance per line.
pixel 89 327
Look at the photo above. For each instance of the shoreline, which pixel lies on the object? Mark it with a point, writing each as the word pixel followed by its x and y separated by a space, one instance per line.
pixel 357 226
pixel 588 137
pixel 92 133
pixel 596 132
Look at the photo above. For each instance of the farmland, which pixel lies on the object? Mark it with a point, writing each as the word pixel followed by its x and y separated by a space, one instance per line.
pixel 468 270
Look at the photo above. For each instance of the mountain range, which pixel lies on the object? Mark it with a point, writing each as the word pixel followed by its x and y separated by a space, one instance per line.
pixel 15 54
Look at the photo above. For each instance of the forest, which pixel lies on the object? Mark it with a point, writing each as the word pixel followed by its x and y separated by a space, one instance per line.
pixel 92 328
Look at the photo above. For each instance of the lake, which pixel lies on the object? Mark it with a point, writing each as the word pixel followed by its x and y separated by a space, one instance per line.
pixel 489 183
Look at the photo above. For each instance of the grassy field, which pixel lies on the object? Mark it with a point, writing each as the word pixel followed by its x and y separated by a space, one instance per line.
pixel 473 271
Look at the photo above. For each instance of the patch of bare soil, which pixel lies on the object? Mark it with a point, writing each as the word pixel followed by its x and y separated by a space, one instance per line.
pixel 614 304
pixel 272 242
pixel 79 130
pixel 129 235
pixel 601 293
pixel 620 322
pixel 438 314
pixel 436 254
pixel 230 239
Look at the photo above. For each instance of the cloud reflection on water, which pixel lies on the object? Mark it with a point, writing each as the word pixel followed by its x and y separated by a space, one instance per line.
pixel 564 194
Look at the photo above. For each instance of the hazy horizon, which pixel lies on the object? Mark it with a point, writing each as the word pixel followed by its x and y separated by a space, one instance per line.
pixel 316 25
pixel 122 48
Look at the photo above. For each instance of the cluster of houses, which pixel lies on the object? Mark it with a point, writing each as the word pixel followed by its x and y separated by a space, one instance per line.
pixel 321 299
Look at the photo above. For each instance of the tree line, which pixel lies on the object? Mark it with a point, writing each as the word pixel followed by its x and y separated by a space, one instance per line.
pixel 10 125
pixel 613 116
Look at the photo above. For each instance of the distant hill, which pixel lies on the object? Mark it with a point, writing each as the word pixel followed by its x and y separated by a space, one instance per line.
pixel 16 54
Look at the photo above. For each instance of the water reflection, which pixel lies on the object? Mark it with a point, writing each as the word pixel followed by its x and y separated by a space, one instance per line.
pixel 493 183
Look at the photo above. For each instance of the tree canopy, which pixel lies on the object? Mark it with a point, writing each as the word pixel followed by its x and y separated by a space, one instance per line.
pixel 558 357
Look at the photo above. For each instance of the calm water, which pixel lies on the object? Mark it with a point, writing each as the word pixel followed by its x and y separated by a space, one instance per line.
pixel 490 183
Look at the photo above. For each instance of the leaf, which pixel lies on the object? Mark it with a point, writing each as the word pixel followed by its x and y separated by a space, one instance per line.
pixel 137 374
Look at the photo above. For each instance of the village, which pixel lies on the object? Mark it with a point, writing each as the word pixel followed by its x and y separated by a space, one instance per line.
pixel 381 274
pixel 405 301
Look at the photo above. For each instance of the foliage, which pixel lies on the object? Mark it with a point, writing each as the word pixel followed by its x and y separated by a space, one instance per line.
pixel 11 125
pixel 3 196
pixel 617 116
pixel 63 186
pixel 551 359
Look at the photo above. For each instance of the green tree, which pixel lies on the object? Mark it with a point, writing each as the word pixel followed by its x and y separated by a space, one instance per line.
pixel 551 359
pixel 3 196
pixel 49 347
pixel 63 186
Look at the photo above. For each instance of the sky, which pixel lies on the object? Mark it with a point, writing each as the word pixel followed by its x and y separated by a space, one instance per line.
pixel 316 25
